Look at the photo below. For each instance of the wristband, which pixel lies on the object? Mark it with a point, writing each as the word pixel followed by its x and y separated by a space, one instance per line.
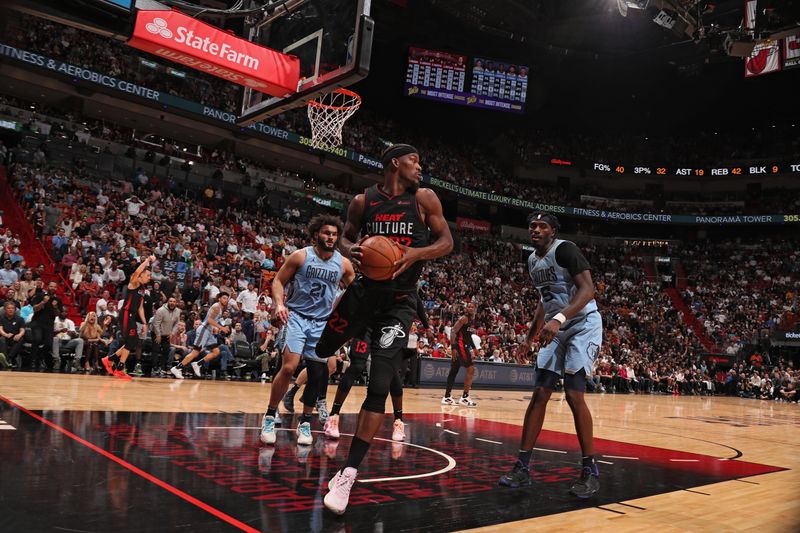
pixel 561 318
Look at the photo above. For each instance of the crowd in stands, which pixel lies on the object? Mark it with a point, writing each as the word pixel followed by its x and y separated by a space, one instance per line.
pixel 97 230
pixel 754 289
pixel 112 57
pixel 451 159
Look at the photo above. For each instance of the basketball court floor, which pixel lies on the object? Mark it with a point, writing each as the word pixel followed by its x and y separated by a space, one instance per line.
pixel 84 453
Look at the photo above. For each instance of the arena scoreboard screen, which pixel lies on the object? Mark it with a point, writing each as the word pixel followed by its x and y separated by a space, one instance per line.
pixel 472 82
pixel 763 169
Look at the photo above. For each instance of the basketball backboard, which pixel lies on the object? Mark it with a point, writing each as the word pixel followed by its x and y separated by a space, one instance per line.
pixel 332 38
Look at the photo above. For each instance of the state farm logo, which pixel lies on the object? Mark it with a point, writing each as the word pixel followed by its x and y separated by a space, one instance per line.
pixel 203 43
pixel 159 26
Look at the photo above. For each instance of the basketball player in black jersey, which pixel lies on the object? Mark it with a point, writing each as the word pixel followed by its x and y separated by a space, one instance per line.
pixel 359 353
pixel 461 345
pixel 130 315
pixel 401 211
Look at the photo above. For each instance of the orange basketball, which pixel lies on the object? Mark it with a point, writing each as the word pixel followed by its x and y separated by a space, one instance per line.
pixel 379 255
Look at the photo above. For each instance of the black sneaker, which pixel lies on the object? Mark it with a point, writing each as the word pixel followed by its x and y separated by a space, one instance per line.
pixel 588 484
pixel 520 476
pixel 288 400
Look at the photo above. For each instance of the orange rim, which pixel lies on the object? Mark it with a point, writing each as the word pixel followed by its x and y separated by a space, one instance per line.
pixel 346 92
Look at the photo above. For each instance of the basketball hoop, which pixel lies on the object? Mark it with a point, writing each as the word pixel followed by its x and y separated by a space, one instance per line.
pixel 328 113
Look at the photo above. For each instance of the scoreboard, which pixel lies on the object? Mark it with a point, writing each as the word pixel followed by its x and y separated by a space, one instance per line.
pixel 454 78
pixel 502 80
pixel 436 70
pixel 667 170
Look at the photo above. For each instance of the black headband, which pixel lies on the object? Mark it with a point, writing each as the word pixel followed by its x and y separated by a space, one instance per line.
pixel 395 151
pixel 544 217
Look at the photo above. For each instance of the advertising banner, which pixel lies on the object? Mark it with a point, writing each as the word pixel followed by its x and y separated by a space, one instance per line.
pixel 471 224
pixel 191 42
pixel 433 371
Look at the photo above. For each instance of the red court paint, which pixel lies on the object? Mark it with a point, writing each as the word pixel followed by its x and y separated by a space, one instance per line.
pixel 138 471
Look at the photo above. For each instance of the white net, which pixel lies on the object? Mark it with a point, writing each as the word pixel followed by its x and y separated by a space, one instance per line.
pixel 328 113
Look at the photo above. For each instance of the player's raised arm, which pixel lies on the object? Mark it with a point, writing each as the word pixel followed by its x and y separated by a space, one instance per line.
pixel 134 281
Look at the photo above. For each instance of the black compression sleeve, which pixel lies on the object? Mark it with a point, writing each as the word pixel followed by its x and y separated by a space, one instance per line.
pixel 570 257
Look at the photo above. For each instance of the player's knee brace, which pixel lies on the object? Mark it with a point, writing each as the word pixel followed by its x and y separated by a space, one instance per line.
pixel 546 379
pixel 575 382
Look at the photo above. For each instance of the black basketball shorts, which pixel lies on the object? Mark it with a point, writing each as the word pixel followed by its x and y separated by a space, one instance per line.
pixel 387 314
pixel 128 327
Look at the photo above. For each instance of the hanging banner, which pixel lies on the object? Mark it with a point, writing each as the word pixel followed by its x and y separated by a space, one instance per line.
pixel 791 51
pixel 750 14
pixel 766 58
pixel 191 42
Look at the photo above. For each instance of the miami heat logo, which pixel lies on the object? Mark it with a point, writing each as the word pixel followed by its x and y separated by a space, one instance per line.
pixel 389 334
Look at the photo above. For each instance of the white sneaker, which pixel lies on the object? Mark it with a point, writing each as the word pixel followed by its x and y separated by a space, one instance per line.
pixel 196 368
pixel 467 401
pixel 332 427
pixel 398 431
pixel 304 437
pixel 336 500
pixel 448 400
pixel 176 372
pixel 268 430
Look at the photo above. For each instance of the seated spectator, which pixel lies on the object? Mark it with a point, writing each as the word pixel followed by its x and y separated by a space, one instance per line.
pixel 91 332
pixel 8 276
pixel 66 336
pixel 12 334
pixel 102 304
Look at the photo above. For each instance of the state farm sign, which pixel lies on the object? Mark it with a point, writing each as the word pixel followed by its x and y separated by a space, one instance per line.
pixel 182 39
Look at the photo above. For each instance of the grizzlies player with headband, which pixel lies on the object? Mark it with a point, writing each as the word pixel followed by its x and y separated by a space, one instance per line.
pixel 402 211
pixel 316 272
pixel 570 332
pixel 206 338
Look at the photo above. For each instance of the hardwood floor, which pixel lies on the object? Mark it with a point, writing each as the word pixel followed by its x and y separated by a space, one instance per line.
pixel 723 428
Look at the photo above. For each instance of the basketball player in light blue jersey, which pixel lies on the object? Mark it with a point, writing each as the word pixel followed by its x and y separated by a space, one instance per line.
pixel 316 273
pixel 206 338
pixel 570 332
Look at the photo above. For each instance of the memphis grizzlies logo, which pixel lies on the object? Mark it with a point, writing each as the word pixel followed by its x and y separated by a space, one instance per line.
pixel 592 350
pixel 389 334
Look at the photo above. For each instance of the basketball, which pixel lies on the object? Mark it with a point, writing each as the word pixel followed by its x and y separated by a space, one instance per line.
pixel 379 255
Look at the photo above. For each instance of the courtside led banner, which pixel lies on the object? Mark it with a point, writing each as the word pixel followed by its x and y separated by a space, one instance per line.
pixel 182 39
